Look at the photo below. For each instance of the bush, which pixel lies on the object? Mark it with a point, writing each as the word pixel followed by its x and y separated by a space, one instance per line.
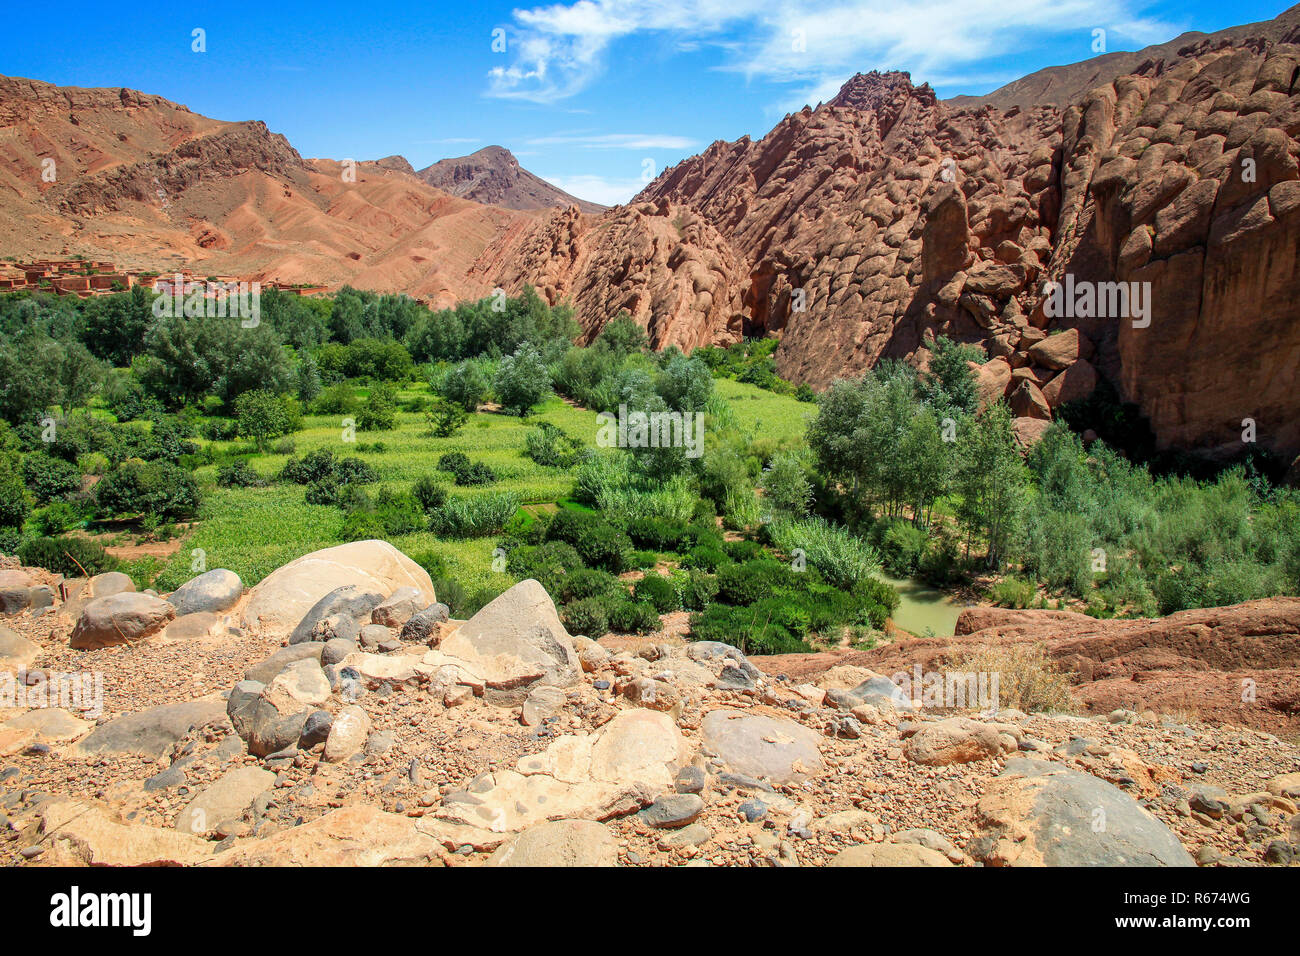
pixel 599 543
pixel 902 548
pixel 465 471
pixel 154 489
pixel 379 413
pixel 752 581
pixel 745 628
pixel 1028 679
pixel 445 419
pixel 465 385
pixel 743 550
pixel 642 560
pixel 633 617
pixel 239 475
pixel 551 447
pixel 705 558
pixel 842 557
pixel 337 399
pixel 590 583
pixel 587 616
pixel 262 415
pixel 522 381
pixel 474 517
pixel 876 600
pixel 49 479
pixel 697 589
pixel 429 493
pixel 657 534
pixel 1012 592
pixel 314 466
pixel 549 564
pixel 658 591
pixel 68 556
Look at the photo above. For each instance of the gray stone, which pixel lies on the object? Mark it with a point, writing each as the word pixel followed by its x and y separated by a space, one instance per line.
pixel 348 601
pixel 780 750
pixel 882 692
pixel 119 619
pixel 269 669
pixel 242 704
pixel 335 650
pixel 213 591
pixel 421 625
pixel 16 652
pixel 690 779
pixel 753 810
pixel 399 607
pixel 673 811
pixel 316 729
pixel 153 732
pixel 1037 813
pixel 697 834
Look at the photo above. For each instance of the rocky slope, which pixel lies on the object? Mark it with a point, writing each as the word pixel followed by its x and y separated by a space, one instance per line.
pixel 493 176
pixel 147 184
pixel 334 715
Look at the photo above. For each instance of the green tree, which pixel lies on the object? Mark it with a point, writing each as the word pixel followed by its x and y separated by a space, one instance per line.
pixel 262 416
pixel 522 381
pixel 993 481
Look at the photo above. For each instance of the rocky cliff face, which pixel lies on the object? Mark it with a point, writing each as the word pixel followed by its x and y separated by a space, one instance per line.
pixel 867 227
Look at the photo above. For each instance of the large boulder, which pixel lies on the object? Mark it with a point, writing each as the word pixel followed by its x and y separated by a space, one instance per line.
pixel 889 854
pixel 1060 350
pixel 15 591
pixel 88 834
pixel 360 835
pixel 224 800
pixel 152 732
pixel 215 590
pixel 120 619
pixel 281 600
pixel 515 642
pixel 958 740
pixel 1037 813
pixel 759 746
pixel 338 614
pixel 559 843
pixel 16 652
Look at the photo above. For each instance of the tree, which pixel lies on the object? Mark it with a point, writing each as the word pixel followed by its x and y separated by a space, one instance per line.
pixel 522 381
pixel 379 413
pixel 262 415
pixel 992 480
pixel 786 489
pixel 466 384
pixel 950 385
pixel 445 419
pixel 685 384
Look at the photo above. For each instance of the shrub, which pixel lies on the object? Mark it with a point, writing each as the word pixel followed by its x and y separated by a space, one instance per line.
pixel 633 617
pixel 362 526
pixel 379 413
pixel 49 478
pixel 239 475
pixel 697 589
pixel 474 517
pixel 548 563
pixel 465 471
pixel 658 591
pixel 598 543
pixel 68 556
pixel 590 583
pixel 263 415
pixel 750 582
pixel 657 534
pixel 337 399
pixel 705 558
pixel 56 518
pixel 902 548
pixel 1012 592
pixel 743 550
pixel 642 560
pixel 429 493
pixel 877 601
pixel 551 447
pixel 587 616
pixel 313 466
pixel 465 385
pixel 1028 679
pixel 842 557
pixel 522 381
pixel 446 419
pixel 745 628
pixel 155 489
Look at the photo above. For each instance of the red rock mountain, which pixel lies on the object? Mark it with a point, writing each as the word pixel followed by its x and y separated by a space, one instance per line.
pixel 856 231
pixel 493 176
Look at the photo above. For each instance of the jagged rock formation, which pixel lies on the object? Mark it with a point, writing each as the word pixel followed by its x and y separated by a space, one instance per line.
pixel 493 176
pixel 664 265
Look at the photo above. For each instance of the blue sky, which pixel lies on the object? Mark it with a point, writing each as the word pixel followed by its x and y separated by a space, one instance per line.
pixel 593 95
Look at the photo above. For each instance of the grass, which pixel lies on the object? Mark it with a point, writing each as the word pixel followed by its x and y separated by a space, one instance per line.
pixel 781 418
pixel 252 531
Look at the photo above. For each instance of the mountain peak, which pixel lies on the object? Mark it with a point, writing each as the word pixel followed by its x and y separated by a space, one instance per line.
pixel 492 175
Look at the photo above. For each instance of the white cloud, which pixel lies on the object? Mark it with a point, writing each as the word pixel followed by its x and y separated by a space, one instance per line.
pixel 560 49
pixel 599 189
pixel 640 141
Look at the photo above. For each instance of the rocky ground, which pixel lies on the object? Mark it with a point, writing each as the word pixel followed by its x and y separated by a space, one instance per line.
pixel 334 715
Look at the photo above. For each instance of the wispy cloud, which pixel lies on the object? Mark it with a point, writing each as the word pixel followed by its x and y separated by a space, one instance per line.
pixel 640 141
pixel 558 50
